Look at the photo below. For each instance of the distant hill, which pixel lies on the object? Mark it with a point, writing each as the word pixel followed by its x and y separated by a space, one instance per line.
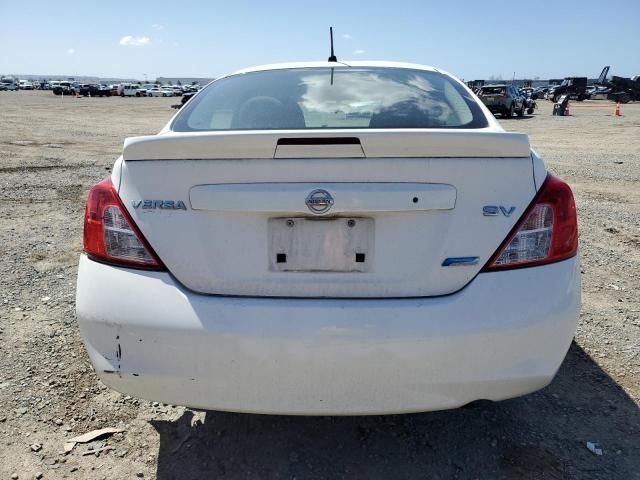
pixel 77 78
pixel 184 80
pixel 94 79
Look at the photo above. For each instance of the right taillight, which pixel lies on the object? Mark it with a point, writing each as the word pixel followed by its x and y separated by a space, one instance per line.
pixel 546 233
pixel 111 235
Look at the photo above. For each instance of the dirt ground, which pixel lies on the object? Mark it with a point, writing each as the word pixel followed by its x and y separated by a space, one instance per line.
pixel 53 149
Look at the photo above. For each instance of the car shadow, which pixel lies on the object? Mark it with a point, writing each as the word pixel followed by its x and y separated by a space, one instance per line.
pixel 542 435
pixel 526 116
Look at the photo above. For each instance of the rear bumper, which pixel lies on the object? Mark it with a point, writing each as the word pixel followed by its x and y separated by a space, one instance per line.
pixel 497 108
pixel 502 336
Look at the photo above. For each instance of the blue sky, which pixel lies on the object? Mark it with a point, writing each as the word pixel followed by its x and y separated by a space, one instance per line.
pixel 471 39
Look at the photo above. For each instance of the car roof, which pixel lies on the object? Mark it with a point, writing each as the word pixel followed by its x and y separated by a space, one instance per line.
pixel 494 85
pixel 346 64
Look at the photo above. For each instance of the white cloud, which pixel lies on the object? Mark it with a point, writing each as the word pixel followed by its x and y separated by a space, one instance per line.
pixel 71 51
pixel 347 36
pixel 157 26
pixel 134 41
pixel 359 52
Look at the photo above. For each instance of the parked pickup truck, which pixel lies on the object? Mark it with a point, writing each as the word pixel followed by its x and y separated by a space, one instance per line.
pixel 64 88
pixel 131 90
pixel 575 87
pixel 94 90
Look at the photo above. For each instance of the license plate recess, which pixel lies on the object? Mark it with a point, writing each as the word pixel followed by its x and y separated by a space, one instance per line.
pixel 342 244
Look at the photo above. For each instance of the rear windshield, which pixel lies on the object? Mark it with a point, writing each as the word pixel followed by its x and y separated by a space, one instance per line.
pixel 343 97
pixel 492 90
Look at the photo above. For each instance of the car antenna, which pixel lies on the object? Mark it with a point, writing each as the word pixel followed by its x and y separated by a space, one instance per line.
pixel 333 57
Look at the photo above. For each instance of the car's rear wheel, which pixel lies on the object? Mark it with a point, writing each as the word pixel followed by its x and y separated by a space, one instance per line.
pixel 521 111
pixel 509 112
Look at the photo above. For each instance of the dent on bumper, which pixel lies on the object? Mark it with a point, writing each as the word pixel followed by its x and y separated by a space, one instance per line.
pixel 504 335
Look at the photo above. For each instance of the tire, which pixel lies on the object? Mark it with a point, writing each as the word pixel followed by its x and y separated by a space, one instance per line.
pixel 509 112
pixel 530 111
pixel 521 111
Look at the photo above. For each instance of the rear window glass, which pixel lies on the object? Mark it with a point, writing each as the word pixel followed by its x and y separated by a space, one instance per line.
pixel 492 90
pixel 343 97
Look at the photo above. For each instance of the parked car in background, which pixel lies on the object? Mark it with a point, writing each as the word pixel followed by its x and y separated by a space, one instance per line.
pixel 94 90
pixel 185 98
pixel 330 238
pixel 64 88
pixel 502 99
pixel 9 85
pixel 526 91
pixel 549 93
pixel 130 90
pixel 539 92
pixel 159 92
pixel 600 93
pixel 25 85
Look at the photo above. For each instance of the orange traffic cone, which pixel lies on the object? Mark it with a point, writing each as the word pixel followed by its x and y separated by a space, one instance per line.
pixel 617 112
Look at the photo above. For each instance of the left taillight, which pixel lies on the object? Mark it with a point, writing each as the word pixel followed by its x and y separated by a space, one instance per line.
pixel 111 235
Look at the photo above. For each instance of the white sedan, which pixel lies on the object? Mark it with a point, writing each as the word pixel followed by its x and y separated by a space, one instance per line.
pixel 159 92
pixel 329 238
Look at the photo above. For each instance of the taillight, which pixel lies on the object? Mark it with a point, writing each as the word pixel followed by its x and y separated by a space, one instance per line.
pixel 110 235
pixel 547 232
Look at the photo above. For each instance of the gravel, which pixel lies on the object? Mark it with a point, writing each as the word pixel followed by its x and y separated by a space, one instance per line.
pixel 53 149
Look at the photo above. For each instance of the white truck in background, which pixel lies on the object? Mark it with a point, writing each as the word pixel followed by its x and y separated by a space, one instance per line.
pixel 130 90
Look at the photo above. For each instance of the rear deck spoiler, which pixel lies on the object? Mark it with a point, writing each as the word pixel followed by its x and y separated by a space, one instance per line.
pixel 326 143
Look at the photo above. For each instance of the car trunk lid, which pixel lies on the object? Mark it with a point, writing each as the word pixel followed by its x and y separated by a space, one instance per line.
pixel 400 204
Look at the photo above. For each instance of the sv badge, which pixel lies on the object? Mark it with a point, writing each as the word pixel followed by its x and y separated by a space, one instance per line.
pixel 493 210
